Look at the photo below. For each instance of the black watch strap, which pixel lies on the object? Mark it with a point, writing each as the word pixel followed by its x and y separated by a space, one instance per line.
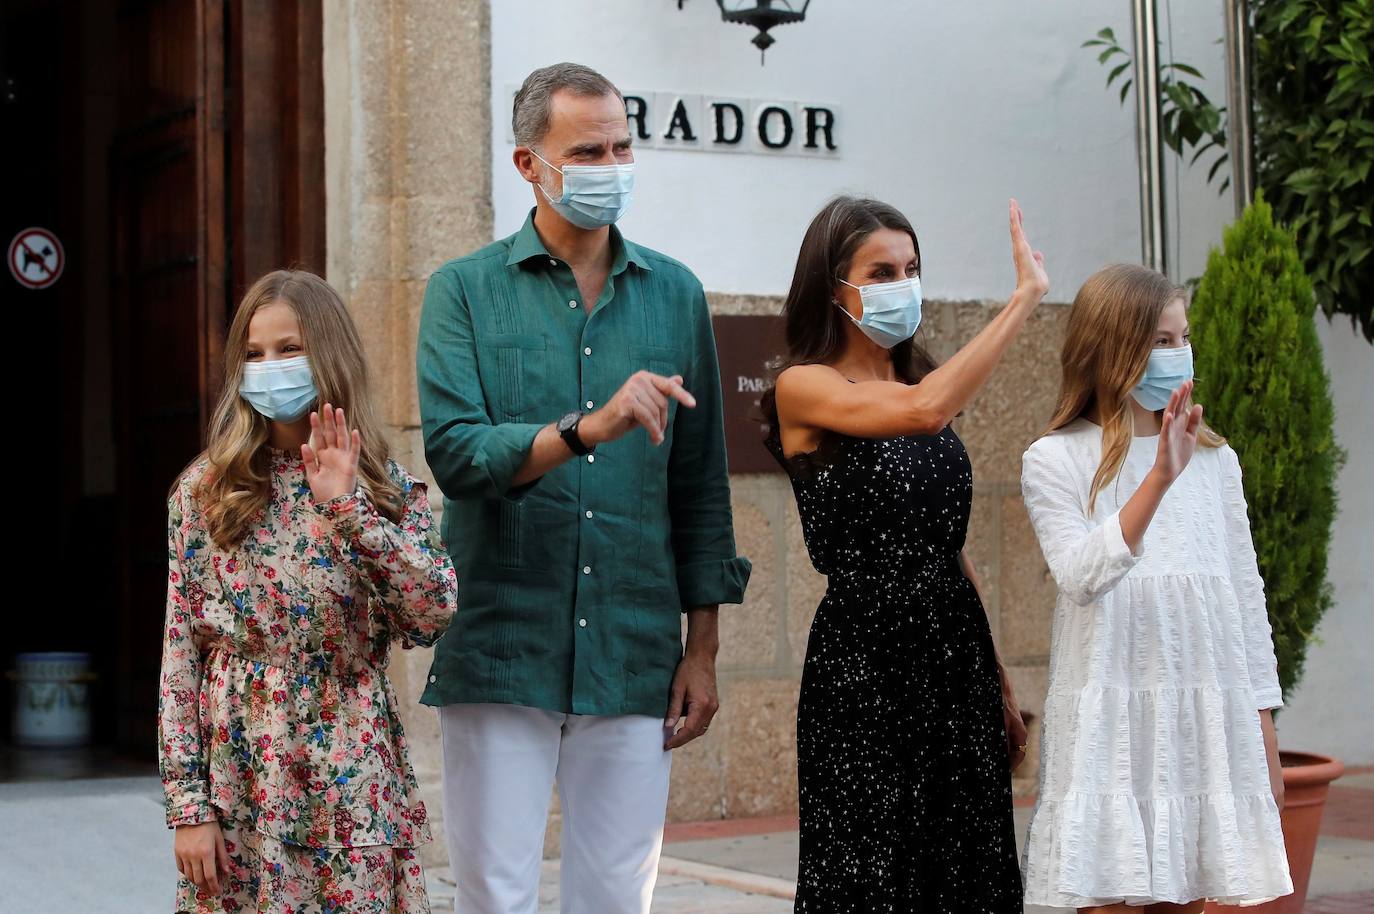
pixel 567 429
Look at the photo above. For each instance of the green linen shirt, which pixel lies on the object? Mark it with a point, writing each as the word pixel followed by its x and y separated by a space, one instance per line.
pixel 571 588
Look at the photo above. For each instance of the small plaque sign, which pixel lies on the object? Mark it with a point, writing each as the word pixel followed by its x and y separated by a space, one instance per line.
pixel 746 346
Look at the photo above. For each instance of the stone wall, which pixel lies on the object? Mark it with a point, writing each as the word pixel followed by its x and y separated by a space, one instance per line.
pixel 407 152
pixel 407 105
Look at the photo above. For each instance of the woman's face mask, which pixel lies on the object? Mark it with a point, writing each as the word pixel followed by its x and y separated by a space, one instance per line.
pixel 1166 371
pixel 892 310
pixel 280 389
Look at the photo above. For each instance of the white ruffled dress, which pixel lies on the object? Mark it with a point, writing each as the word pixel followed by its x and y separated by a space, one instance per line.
pixel 1154 785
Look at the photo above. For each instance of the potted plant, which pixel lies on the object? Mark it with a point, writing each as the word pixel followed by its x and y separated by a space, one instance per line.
pixel 1261 375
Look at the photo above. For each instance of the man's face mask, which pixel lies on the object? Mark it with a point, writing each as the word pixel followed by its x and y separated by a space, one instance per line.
pixel 594 196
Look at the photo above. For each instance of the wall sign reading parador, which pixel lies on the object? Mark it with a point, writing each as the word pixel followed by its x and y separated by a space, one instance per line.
pixel 667 120
pixel 748 347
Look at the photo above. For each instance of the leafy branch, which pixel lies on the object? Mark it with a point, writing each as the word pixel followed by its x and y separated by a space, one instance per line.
pixel 1189 121
pixel 1314 141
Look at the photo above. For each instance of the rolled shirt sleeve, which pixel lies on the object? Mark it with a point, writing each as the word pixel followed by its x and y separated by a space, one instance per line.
pixel 708 570
pixel 468 454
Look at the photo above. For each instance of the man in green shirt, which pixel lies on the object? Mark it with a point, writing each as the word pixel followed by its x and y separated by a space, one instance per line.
pixel 571 405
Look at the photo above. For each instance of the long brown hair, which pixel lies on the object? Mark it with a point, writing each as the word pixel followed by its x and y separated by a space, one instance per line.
pixel 1111 331
pixel 237 483
pixel 813 326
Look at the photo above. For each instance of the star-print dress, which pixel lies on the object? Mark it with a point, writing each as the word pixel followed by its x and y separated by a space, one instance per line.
pixel 902 763
pixel 276 715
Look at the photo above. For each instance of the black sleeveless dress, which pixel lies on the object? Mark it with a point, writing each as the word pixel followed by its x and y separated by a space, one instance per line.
pixel 905 786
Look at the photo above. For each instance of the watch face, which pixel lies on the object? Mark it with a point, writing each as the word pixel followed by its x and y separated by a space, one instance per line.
pixel 568 421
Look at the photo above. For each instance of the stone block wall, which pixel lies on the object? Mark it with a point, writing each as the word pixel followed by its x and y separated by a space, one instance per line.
pixel 408 186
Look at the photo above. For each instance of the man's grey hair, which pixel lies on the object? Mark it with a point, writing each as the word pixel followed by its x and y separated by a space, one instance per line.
pixel 534 101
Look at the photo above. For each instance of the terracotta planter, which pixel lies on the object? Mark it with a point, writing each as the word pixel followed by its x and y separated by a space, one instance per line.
pixel 1306 778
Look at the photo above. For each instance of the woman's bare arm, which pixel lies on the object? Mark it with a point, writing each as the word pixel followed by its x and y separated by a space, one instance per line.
pixel 819 398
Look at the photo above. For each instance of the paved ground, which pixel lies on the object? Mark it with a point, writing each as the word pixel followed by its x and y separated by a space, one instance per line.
pixel 673 895
pixel 82 846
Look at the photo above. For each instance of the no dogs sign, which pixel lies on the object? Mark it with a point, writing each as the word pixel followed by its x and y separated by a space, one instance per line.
pixel 36 258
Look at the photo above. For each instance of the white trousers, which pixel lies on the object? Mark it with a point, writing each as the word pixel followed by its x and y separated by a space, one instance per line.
pixel 500 764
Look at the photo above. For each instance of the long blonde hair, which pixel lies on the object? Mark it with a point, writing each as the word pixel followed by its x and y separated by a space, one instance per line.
pixel 237 483
pixel 1111 332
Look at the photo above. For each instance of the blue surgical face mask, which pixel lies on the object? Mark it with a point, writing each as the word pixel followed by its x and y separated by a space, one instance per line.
pixel 1166 372
pixel 282 389
pixel 594 196
pixel 892 310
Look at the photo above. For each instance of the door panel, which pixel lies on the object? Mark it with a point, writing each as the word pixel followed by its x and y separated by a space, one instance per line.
pixel 162 315
pixel 217 176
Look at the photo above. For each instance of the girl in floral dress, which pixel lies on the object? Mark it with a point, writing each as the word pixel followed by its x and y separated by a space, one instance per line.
pixel 298 552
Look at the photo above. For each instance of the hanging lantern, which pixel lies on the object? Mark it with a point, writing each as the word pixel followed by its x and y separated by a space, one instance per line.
pixel 763 15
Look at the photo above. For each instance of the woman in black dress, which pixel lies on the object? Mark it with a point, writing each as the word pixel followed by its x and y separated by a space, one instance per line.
pixel 906 720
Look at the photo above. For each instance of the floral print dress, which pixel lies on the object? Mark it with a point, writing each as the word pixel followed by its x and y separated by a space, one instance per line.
pixel 276 715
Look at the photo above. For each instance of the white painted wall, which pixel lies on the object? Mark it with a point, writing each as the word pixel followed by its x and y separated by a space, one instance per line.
pixel 947 110
pixel 1330 710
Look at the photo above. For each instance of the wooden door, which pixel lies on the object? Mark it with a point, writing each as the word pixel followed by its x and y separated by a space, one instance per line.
pixel 168 263
pixel 216 177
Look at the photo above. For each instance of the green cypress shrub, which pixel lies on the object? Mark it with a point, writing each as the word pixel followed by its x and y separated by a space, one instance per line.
pixel 1261 378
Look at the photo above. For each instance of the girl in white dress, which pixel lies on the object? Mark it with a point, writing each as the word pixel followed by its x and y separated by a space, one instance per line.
pixel 1160 784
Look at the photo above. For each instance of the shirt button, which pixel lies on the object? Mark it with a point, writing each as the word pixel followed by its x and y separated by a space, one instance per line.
pixel 586 569
pixel 552 262
pixel 572 304
pixel 591 458
pixel 587 351
pixel 589 515
pixel 589 404
pixel 434 679
pixel 582 622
